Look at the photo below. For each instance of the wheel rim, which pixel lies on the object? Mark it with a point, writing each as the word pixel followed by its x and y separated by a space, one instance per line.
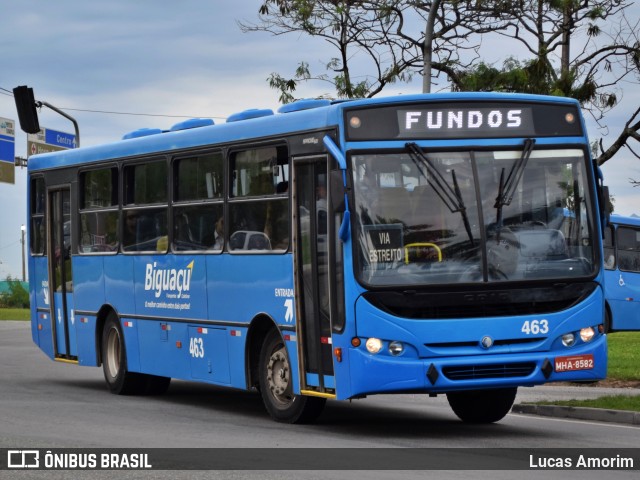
pixel 278 378
pixel 113 352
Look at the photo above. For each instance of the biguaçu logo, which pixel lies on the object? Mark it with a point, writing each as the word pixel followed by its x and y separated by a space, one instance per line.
pixel 172 280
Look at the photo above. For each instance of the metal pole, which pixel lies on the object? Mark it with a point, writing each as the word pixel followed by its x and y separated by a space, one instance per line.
pixel 67 116
pixel 24 276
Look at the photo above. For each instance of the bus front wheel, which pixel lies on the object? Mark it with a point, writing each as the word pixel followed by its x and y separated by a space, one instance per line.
pixel 482 406
pixel 276 385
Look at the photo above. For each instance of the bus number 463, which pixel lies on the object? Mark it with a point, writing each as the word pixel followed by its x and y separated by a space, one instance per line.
pixel 196 348
pixel 535 327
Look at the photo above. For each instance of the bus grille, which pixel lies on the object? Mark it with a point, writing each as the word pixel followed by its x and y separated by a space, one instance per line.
pixel 478 372
pixel 437 304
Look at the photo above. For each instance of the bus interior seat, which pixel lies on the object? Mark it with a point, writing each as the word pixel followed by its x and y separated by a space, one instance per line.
pixel 258 241
pixel 547 244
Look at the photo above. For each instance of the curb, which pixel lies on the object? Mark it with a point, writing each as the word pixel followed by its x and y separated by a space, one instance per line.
pixel 579 413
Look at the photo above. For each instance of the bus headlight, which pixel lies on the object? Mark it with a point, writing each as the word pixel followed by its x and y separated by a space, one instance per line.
pixel 587 334
pixel 396 348
pixel 374 345
pixel 568 339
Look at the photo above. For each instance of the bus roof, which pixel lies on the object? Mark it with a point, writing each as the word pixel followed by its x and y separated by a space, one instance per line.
pixel 624 220
pixel 253 124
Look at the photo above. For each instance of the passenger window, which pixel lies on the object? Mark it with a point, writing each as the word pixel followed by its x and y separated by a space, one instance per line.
pixel 609 249
pixel 198 222
pixel 259 200
pixel 99 211
pixel 145 208
pixel 38 233
pixel 199 178
pixel 628 249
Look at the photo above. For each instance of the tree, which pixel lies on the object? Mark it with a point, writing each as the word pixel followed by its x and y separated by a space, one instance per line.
pixel 383 38
pixel 571 55
pixel 16 297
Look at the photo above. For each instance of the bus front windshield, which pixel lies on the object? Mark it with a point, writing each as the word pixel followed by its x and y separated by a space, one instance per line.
pixel 426 218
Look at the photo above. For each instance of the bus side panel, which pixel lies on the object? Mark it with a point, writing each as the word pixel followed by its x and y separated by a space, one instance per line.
pixel 168 287
pixel 89 297
pixel 164 348
pixel 118 278
pixel 623 295
pixel 243 286
pixel 41 318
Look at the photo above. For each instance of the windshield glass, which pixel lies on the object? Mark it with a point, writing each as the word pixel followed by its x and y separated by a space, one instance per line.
pixel 424 218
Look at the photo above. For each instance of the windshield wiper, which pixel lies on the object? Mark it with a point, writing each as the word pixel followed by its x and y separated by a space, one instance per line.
pixel 450 196
pixel 507 188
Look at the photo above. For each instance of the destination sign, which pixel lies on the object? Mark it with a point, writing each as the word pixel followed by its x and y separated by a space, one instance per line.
pixel 463 120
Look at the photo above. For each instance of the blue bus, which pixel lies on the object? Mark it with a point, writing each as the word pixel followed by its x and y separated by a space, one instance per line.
pixel 330 250
pixel 622 273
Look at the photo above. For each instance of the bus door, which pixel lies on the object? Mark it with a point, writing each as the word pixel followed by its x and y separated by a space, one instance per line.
pixel 60 274
pixel 313 312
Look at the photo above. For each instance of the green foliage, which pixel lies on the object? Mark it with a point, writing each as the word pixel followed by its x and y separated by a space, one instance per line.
pixel 610 402
pixel 15 314
pixel 17 297
pixel 624 356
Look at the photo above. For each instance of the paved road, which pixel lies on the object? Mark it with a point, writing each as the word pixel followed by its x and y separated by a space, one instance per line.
pixel 46 404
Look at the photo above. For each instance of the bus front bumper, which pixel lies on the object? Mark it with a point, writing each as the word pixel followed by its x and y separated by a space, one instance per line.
pixel 372 374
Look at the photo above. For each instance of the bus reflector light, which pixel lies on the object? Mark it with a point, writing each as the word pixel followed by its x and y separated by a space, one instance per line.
pixel 337 352
pixel 587 334
pixel 374 345
pixel 355 122
pixel 396 348
pixel 356 342
pixel 568 339
pixel 178 344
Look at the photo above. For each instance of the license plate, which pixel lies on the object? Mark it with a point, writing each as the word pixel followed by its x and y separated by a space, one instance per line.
pixel 576 362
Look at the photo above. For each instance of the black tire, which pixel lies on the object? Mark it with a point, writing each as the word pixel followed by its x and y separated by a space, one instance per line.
pixel 276 385
pixel 607 321
pixel 114 361
pixel 482 406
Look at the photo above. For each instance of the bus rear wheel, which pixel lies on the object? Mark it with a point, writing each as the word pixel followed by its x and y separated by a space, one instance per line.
pixel 276 385
pixel 482 406
pixel 114 365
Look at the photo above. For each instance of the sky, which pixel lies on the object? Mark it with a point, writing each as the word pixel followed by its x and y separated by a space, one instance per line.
pixel 171 61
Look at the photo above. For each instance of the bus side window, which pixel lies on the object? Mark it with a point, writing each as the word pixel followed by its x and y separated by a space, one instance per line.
pixel 628 249
pixel 259 200
pixel 198 203
pixel 609 248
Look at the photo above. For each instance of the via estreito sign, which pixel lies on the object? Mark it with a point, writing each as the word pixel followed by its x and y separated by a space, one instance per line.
pixel 48 140
pixel 7 150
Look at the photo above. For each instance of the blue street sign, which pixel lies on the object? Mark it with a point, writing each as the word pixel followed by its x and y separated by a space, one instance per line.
pixel 7 140
pixel 59 139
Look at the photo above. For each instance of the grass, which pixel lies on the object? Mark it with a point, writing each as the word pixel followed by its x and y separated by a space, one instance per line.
pixel 624 356
pixel 15 314
pixel 610 402
pixel 623 366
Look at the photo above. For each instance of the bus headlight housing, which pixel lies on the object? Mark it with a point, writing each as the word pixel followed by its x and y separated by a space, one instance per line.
pixel 587 334
pixel 568 339
pixel 396 348
pixel 374 345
